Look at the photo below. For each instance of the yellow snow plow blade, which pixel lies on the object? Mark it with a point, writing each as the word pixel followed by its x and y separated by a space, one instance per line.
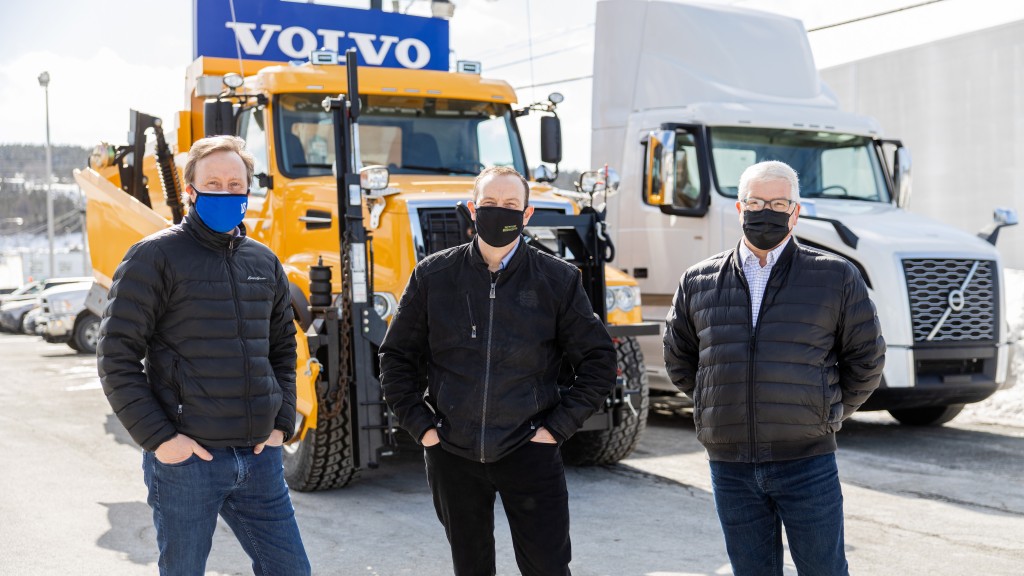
pixel 114 221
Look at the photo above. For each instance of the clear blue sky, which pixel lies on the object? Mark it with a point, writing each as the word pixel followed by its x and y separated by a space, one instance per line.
pixel 106 56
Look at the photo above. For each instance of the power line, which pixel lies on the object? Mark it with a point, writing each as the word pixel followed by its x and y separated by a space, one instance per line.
pixel 537 57
pixel 553 36
pixel 870 16
pixel 562 81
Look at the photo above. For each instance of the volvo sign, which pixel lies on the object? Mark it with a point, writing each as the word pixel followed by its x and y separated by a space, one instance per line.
pixel 281 31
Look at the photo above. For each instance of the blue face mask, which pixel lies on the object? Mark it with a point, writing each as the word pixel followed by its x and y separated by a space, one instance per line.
pixel 221 211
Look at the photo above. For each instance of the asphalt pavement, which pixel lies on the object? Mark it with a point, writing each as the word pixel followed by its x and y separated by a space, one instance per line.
pixel 936 501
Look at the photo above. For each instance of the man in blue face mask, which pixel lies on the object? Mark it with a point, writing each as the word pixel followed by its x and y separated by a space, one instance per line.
pixel 483 327
pixel 777 344
pixel 197 359
pixel 218 191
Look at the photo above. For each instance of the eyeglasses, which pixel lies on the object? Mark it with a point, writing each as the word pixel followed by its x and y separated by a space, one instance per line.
pixel 777 205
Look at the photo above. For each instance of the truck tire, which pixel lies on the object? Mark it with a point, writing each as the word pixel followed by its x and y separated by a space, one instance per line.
pixel 929 416
pixel 324 459
pixel 86 333
pixel 609 446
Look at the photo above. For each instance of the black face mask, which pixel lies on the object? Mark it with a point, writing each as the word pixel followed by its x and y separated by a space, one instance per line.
pixel 499 227
pixel 765 229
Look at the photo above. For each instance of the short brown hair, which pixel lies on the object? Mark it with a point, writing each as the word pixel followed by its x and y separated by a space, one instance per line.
pixel 502 171
pixel 206 146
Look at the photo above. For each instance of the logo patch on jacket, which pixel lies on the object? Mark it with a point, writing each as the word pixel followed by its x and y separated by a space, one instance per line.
pixel 255 278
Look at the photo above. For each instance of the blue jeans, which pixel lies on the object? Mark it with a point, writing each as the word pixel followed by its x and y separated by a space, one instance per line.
pixel 246 489
pixel 754 501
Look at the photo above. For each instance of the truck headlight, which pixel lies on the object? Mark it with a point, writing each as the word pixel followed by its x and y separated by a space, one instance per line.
pixel 384 304
pixel 624 298
pixel 60 306
pixel 627 298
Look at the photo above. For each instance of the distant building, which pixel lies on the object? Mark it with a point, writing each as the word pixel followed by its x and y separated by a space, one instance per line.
pixel 958 103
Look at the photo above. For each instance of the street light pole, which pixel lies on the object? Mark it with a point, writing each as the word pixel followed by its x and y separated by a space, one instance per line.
pixel 44 81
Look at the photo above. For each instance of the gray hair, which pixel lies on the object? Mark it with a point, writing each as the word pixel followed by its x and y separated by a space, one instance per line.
pixel 767 171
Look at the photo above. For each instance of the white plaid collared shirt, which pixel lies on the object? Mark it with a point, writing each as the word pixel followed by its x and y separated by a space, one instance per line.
pixel 757 276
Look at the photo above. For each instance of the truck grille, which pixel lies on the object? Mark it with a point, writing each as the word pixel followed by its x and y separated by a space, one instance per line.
pixel 442 229
pixel 938 296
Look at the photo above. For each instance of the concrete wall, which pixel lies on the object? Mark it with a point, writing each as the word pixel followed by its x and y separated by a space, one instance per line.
pixel 958 104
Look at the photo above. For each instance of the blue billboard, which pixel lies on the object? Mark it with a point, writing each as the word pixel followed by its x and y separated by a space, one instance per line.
pixel 281 31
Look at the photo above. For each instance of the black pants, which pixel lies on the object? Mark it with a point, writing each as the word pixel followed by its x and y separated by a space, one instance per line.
pixel 531 482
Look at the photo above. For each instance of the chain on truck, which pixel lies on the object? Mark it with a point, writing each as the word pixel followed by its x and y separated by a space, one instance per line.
pixel 407 145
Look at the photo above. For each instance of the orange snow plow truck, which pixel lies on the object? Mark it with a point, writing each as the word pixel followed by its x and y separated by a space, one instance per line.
pixel 426 135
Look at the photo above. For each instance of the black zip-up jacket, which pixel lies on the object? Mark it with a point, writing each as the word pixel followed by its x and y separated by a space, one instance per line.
pixel 487 347
pixel 210 316
pixel 780 390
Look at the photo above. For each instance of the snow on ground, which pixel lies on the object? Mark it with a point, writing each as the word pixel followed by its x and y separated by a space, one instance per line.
pixel 1006 407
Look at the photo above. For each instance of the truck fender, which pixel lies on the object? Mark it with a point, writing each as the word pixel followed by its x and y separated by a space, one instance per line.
pixel 300 306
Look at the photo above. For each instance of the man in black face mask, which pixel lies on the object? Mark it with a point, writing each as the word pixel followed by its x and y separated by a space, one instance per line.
pixel 777 344
pixel 483 328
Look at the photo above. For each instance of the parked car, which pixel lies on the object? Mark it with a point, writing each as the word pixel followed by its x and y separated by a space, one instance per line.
pixel 15 306
pixel 23 292
pixel 64 318
pixel 30 324
pixel 33 289
pixel 12 314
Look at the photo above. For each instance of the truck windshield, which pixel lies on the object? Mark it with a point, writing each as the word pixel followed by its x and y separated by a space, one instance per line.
pixel 830 165
pixel 409 135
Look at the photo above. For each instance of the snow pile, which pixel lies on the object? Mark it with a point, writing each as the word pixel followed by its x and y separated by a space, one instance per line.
pixel 1006 407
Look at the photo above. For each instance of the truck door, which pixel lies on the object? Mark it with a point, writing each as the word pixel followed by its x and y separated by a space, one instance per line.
pixel 670 231
pixel 252 128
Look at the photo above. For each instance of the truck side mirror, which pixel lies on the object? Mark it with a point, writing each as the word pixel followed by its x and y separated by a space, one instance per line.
pixel 1001 218
pixel 550 139
pixel 543 174
pixel 591 182
pixel 656 174
pixel 218 118
pixel 901 176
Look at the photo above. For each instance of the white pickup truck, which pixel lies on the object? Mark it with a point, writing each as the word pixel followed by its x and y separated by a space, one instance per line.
pixel 65 320
pixel 686 96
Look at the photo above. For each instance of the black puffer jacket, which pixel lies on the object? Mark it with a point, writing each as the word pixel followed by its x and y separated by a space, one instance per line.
pixel 490 347
pixel 211 315
pixel 781 390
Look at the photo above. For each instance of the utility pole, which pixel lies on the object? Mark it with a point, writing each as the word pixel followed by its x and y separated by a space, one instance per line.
pixel 44 81
pixel 86 263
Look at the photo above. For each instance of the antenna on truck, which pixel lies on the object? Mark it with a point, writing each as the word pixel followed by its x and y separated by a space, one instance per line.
pixel 238 46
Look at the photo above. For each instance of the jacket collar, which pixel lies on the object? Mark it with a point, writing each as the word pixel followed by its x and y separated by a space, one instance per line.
pixel 197 229
pixel 477 258
pixel 783 260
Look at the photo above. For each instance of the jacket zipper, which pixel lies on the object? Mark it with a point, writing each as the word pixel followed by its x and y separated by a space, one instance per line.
pixel 487 369
pixel 245 353
pixel 751 412
pixel 176 372
pixel 472 322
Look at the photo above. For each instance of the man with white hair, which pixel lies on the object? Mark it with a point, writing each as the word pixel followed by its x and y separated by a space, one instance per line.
pixel 777 344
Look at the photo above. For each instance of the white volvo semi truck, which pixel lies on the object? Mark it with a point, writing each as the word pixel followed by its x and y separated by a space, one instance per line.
pixel 686 96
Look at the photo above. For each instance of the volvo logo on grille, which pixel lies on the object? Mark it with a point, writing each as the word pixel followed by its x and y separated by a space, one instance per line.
pixel 956 300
